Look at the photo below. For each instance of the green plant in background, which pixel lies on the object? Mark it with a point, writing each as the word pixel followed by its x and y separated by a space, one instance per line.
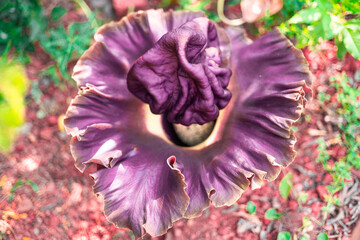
pixel 24 24
pixel 322 236
pixel 15 21
pixel 20 183
pixel 206 6
pixel 251 207
pixel 272 214
pixel 348 109
pixel 284 236
pixel 268 22
pixel 327 19
pixel 349 98
pixel 23 27
pixel 338 177
pixel 285 185
pixel 12 105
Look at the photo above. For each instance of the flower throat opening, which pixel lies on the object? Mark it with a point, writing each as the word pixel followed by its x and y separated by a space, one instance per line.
pixel 187 136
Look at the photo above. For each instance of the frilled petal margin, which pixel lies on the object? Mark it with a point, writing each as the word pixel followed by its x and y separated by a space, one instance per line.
pixel 118 44
pixel 271 86
pixel 147 181
pixel 143 192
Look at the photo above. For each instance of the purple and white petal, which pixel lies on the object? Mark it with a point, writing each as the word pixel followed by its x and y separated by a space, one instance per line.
pixel 147 181
pixel 143 192
pixel 118 44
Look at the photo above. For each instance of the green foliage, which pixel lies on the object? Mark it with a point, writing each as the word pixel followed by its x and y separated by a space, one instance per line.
pixel 290 7
pixel 24 23
pixel 322 97
pixel 322 236
pixel 65 45
pixel 12 107
pixel 57 13
pixel 20 183
pixel 286 185
pixel 23 26
pixel 349 99
pixel 302 197
pixel 307 226
pixel 14 16
pixel 348 104
pixel 251 207
pixel 284 236
pixel 304 237
pixel 327 19
pixel 272 214
pixel 206 6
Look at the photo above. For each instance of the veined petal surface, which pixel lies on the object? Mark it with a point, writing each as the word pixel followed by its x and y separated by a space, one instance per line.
pixel 147 181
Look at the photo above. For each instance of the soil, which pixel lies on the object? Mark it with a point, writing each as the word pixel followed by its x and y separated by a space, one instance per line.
pixel 66 208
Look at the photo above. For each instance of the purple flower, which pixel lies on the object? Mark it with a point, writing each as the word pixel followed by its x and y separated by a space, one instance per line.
pixel 154 168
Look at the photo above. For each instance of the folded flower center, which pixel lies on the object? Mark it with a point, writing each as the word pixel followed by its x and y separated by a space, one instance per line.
pixel 182 77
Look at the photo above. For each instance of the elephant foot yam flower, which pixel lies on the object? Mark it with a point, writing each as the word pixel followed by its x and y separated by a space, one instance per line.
pixel 179 113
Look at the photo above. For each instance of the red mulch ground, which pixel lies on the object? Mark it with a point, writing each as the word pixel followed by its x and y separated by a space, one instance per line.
pixel 66 208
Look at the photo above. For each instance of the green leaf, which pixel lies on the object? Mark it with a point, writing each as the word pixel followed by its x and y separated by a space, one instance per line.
pixel 326 22
pixel 37 28
pixel 63 61
pixel 324 5
pixel 272 214
pixel 352 6
pixel 307 225
pixel 308 15
pixel 57 13
pixel 353 24
pixel 286 185
pixel 33 186
pixel 302 197
pixel 352 42
pixel 304 237
pixel 341 50
pixel 322 236
pixel 284 236
pixel 17 184
pixel 164 3
pixel 251 207
pixel 12 110
pixel 11 197
pixel 318 30
pixel 36 92
pixel 51 72
pixel 233 2
pixel 335 24
pixel 2 98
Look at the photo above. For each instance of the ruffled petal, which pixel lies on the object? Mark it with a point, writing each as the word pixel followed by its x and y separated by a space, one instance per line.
pixel 93 118
pixel 273 82
pixel 143 192
pixel 271 86
pixel 118 44
pixel 144 188
pixel 212 179
pixel 102 144
pixel 270 65
pixel 91 106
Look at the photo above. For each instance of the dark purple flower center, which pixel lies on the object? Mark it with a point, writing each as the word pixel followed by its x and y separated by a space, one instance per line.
pixel 182 76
